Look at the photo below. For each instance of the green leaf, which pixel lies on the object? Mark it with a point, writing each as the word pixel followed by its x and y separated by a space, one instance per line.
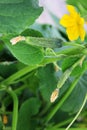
pixel 26 54
pixel 78 70
pixel 53 128
pixel 73 2
pixel 47 81
pixel 33 86
pixel 68 62
pixel 1 124
pixel 1 47
pixel 77 2
pixel 75 100
pixel 9 68
pixel 32 33
pixel 10 1
pixel 28 109
pixel 80 4
pixel 17 15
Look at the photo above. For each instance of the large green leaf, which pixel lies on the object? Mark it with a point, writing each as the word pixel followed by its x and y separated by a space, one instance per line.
pixel 10 1
pixel 28 109
pixel 27 54
pixel 17 15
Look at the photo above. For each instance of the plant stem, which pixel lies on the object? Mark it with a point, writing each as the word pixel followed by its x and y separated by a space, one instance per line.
pixel 5 112
pixel 84 102
pixel 61 124
pixel 72 51
pixel 15 108
pixel 67 121
pixel 73 44
pixel 7 128
pixel 17 91
pixel 19 74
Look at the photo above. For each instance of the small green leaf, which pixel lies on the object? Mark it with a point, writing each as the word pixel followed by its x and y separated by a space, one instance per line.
pixel 32 33
pixel 26 54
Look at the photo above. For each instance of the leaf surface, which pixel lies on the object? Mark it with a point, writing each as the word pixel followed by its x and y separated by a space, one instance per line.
pixel 17 15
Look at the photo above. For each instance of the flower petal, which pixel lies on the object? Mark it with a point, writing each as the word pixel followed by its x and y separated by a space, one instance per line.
pixel 82 33
pixel 73 32
pixel 67 21
pixel 81 21
pixel 71 9
pixel 74 24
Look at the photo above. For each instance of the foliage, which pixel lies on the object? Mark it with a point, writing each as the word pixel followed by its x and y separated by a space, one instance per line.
pixel 33 68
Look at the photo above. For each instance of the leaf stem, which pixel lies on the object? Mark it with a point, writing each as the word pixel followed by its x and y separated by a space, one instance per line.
pixel 15 108
pixel 17 91
pixel 84 102
pixel 67 121
pixel 18 74
pixel 73 44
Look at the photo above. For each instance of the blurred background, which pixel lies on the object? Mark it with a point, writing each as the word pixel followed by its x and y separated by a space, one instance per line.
pixel 57 7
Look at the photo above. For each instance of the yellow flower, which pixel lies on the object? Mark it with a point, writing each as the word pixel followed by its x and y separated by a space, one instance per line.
pixel 74 24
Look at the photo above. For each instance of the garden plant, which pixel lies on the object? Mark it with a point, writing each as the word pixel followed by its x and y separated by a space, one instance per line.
pixel 43 68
